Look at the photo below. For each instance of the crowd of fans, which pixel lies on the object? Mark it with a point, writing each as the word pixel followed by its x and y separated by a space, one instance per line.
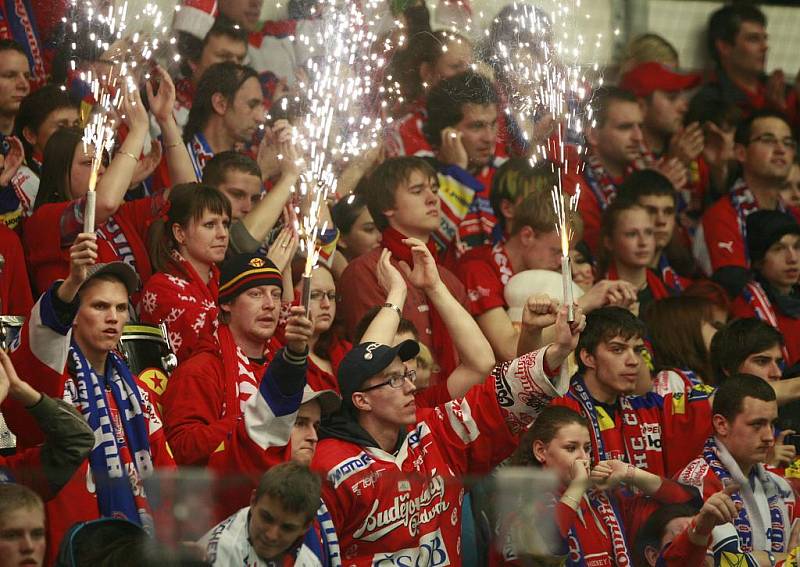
pixel 435 351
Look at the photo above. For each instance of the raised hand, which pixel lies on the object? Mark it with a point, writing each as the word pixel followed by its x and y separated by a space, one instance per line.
pixel 389 277
pixel 284 248
pixel 452 150
pixel 566 333
pixel 775 90
pixel 163 102
pixel 687 143
pixel 269 149
pixel 132 109
pixel 609 292
pixel 718 509
pixel 299 329
pixel 9 164
pixel 782 455
pixel 580 473
pixel 673 170
pixel 425 274
pixel 540 311
pixel 148 164
pixel 12 384
pixel 607 475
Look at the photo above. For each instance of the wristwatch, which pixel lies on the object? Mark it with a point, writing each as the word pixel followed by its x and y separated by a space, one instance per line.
pixel 772 560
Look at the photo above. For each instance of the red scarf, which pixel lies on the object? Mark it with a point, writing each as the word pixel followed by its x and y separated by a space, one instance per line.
pixel 654 283
pixel 440 339
pixel 241 381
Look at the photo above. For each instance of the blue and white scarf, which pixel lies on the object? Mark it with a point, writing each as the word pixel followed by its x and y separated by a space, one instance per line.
pixel 113 482
pixel 743 523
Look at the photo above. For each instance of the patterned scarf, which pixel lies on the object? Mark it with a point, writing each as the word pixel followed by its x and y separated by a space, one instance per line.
pixel 669 276
pixel 200 153
pixel 119 460
pixel 743 523
pixel 238 373
pixel 654 283
pixel 630 422
pixel 744 203
pixel 607 521
pixel 440 338
pixel 758 299
pixel 599 180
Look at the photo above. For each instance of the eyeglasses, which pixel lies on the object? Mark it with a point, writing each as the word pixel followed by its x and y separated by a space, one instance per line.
pixel 771 141
pixel 317 295
pixel 396 381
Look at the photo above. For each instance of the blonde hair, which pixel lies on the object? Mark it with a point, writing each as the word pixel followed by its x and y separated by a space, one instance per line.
pixel 647 47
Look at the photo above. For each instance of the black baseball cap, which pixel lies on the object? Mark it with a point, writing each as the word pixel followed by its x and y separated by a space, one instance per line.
pixel 367 360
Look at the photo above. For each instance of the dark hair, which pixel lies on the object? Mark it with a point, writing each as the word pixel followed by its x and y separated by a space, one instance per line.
pixel 404 326
pixel 296 488
pixel 646 183
pixel 544 429
pixel 604 324
pixel 731 394
pixel 425 47
pixel 745 128
pixel 739 339
pixel 225 78
pixel 652 531
pixel 346 211
pixel 56 166
pixel 674 325
pixel 447 99
pixel 383 182
pixel 187 202
pixel 516 178
pixel 725 23
pixel 191 47
pixel 710 291
pixel 217 168
pixel 716 110
pixel 608 223
pixel 34 110
pixel 604 97
pixel 11 45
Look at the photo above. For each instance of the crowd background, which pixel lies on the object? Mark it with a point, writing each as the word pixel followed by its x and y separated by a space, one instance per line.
pixel 436 402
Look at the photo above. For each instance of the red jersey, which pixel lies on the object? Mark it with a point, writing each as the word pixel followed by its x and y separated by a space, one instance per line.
pixel 485 271
pixel 406 506
pixel 754 302
pixel 655 433
pixel 41 356
pixel 15 289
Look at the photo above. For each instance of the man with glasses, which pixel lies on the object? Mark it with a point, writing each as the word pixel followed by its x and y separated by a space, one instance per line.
pixel 394 472
pixel 765 149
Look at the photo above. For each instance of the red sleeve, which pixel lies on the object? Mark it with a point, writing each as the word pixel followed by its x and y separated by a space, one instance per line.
pixel 140 213
pixel 687 425
pixel 15 288
pixel 26 468
pixel 565 518
pixel 590 212
pixel 47 260
pixel 741 309
pixel 432 396
pixel 484 289
pixel 193 404
pixel 683 553
pixel 723 238
pixel 359 291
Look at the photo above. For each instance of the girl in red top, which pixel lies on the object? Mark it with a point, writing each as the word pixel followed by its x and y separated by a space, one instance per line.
pixel 627 248
pixel 121 227
pixel 326 348
pixel 595 516
pixel 187 244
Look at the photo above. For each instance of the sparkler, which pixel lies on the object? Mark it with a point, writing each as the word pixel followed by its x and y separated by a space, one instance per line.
pixel 341 79
pixel 105 29
pixel 564 210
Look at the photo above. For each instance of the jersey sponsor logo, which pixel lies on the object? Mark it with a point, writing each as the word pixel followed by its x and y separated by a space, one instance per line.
pixel 461 420
pixel 726 245
pixel 431 552
pixel 405 511
pixel 651 432
pixel 694 473
pixel 348 468
pixel 598 560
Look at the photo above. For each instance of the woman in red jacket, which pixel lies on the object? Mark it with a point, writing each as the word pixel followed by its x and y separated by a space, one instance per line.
pixel 58 210
pixel 188 242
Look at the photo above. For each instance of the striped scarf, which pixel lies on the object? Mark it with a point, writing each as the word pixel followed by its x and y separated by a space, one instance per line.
pixel 119 459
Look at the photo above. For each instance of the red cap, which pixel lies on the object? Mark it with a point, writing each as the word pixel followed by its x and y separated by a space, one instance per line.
pixel 648 77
